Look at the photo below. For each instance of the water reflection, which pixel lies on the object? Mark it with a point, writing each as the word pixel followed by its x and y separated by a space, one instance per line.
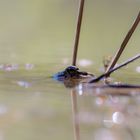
pixel 104 134
pixel 85 62
pixel 29 66
pixel 106 111
pixel 45 106
pixel 9 67
pixel 24 84
pixel 75 115
pixel 118 117
pixel 3 110
pixel 138 69
pixel 14 67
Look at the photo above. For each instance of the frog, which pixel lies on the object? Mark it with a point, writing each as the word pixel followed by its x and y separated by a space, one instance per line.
pixel 71 72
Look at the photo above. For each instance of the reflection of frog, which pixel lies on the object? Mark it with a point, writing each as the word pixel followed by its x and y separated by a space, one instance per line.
pixel 71 72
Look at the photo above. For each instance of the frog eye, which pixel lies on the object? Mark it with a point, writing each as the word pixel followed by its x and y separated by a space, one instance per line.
pixel 71 71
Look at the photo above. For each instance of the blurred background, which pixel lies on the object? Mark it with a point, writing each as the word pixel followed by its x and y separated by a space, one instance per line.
pixel 42 31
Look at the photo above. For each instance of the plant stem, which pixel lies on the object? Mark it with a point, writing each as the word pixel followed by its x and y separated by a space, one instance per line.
pixel 75 50
pixel 114 69
pixel 123 45
pixel 78 29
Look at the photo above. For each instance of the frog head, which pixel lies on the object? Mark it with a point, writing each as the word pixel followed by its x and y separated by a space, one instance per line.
pixel 69 72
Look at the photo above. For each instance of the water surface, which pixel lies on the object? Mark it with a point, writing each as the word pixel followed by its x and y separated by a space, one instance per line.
pixel 34 106
pixel 36 41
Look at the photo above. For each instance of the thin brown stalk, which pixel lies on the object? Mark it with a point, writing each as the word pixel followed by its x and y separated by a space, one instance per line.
pixel 78 29
pixel 74 58
pixel 124 43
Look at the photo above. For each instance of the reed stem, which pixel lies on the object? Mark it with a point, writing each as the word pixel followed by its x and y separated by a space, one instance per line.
pixel 124 43
pixel 78 29
pixel 74 58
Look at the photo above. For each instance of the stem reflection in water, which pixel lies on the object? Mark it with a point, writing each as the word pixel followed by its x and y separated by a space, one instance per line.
pixel 75 114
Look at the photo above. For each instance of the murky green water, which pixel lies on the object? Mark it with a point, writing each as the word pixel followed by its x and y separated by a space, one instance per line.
pixel 33 106
pixel 36 41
